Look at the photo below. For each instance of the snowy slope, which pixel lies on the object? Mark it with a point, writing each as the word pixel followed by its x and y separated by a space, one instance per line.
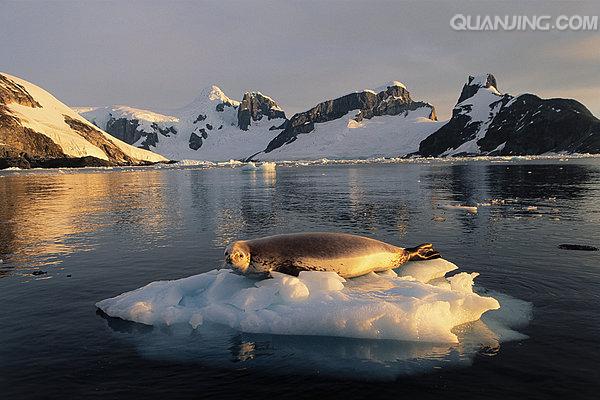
pixel 215 130
pixel 74 136
pixel 344 138
pixel 100 116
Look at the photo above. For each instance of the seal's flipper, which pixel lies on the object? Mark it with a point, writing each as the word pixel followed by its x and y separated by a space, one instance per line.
pixel 422 252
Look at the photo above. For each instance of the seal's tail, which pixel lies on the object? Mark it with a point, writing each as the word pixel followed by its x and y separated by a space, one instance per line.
pixel 422 252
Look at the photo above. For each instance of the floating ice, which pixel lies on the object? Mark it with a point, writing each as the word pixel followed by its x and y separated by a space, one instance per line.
pixel 250 166
pixel 419 305
pixel 265 166
pixel 469 209
pixel 268 166
pixel 194 163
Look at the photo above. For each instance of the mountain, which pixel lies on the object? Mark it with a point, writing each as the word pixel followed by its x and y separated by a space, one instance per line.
pixel 213 127
pixel 486 122
pixel 384 122
pixel 37 130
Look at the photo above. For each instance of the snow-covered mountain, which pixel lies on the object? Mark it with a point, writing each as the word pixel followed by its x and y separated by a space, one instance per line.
pixel 213 127
pixel 37 130
pixel 384 122
pixel 486 122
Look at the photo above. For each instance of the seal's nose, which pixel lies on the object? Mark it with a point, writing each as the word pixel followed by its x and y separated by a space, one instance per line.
pixel 227 258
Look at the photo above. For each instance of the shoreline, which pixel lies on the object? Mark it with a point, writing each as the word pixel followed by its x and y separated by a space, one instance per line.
pixel 82 164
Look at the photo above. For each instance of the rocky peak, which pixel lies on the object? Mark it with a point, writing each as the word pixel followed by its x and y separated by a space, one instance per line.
pixel 474 83
pixel 393 89
pixel 390 99
pixel 254 106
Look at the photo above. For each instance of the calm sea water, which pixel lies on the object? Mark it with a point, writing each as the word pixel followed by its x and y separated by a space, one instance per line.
pixel 98 233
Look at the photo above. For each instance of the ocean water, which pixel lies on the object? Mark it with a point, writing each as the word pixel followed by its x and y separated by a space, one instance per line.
pixel 69 238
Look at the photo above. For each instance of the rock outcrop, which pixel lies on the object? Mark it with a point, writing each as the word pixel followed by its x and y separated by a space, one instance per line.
pixel 531 125
pixel 254 107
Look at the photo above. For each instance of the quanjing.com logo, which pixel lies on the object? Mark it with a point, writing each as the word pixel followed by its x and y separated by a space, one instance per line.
pixel 461 22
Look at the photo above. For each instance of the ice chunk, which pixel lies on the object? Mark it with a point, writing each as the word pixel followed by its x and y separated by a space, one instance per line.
pixel 290 288
pixel 252 299
pixel 376 306
pixel 469 209
pixel 425 271
pixel 268 166
pixel 463 282
pixel 322 281
pixel 295 292
pixel 250 166
pixel 265 166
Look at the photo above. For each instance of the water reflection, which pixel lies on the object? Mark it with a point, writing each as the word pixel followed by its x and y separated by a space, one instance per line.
pixel 46 217
pixel 566 181
pixel 38 216
pixel 338 357
pixel 519 191
pixel 258 201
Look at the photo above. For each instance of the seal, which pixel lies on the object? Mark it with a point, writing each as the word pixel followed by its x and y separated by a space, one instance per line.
pixel 347 255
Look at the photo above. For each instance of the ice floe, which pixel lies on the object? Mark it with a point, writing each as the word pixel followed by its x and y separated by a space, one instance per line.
pixel 416 303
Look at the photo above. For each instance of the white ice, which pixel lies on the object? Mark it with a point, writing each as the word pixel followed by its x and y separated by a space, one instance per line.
pixel 415 304
pixel 252 166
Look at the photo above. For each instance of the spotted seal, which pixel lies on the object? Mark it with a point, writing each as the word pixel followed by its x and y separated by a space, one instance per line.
pixel 347 255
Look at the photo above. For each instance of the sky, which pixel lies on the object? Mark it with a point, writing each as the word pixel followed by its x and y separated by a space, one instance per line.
pixel 159 54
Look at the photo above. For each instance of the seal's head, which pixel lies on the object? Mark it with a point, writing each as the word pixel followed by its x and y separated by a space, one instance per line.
pixel 237 254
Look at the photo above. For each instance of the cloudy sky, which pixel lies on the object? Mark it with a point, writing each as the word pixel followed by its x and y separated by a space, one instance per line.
pixel 159 54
